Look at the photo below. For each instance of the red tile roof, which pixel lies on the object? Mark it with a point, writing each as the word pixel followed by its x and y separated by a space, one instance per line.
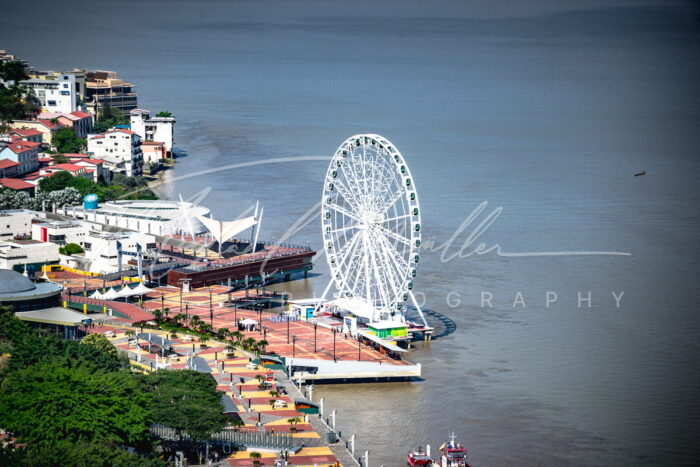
pixel 7 163
pixel 26 132
pixel 121 130
pixel 48 124
pixel 17 146
pixel 77 160
pixel 69 167
pixel 151 143
pixel 80 114
pixel 15 184
pixel 97 136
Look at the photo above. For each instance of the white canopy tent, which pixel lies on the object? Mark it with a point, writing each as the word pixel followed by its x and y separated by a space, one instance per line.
pixel 140 289
pixel 225 230
pixel 126 292
pixel 248 323
pixel 97 295
pixel 111 294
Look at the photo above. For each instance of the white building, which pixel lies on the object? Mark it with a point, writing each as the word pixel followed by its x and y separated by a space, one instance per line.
pixel 120 150
pixel 27 252
pixel 62 232
pixel 161 129
pixel 101 249
pixel 56 93
pixel 157 217
pixel 16 223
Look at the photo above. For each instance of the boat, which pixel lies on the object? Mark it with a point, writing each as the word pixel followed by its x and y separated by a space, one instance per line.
pixel 639 174
pixel 453 454
pixel 419 457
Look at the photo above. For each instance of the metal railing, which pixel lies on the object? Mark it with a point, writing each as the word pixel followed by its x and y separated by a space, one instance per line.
pixel 241 439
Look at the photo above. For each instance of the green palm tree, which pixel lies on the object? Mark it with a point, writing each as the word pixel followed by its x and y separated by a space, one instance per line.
pixel 262 344
pixel 256 457
pixel 237 335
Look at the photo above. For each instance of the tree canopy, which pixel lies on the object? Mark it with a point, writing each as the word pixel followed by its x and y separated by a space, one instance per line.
pixel 52 401
pixel 66 140
pixel 164 113
pixel 100 342
pixel 72 249
pixel 16 102
pixel 109 117
pixel 186 401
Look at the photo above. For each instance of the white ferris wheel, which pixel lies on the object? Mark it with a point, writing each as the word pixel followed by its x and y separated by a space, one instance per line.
pixel 371 227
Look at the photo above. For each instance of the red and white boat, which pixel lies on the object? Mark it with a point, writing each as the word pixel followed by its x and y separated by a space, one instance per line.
pixel 419 457
pixel 453 454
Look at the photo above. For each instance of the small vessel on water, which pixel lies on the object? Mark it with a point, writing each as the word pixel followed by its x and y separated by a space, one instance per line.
pixel 639 174
pixel 453 454
pixel 419 457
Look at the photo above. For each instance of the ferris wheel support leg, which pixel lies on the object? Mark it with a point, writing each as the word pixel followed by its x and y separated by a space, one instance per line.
pixel 323 296
pixel 420 312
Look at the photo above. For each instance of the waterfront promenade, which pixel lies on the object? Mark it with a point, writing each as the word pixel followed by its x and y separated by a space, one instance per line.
pixel 262 398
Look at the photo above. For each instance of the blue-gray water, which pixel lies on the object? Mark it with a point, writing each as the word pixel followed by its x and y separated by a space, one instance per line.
pixel 544 109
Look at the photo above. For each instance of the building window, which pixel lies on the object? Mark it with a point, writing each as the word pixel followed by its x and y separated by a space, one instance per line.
pixel 51 102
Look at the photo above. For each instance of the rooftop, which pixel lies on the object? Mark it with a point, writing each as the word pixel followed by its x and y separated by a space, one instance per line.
pixel 15 184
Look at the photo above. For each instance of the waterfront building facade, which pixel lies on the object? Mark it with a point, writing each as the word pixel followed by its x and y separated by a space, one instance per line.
pixel 16 223
pixel 61 232
pixel 18 253
pixel 120 150
pixel 24 153
pixel 153 151
pixel 80 122
pixel 55 93
pixel 101 255
pixel 103 89
pixel 47 128
pixel 156 217
pixel 160 129
pixel 26 134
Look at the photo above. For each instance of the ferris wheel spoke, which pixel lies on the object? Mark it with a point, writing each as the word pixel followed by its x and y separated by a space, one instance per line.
pixel 380 283
pixel 347 195
pixel 396 196
pixel 344 211
pixel 395 236
pixel 398 261
pixel 391 268
pixel 343 229
pixel 404 216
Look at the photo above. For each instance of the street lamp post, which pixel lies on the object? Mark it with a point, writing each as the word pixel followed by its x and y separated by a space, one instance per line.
pixel 315 327
pixel 288 329
pixel 334 346
pixel 359 350
pixel 211 311
pixel 294 346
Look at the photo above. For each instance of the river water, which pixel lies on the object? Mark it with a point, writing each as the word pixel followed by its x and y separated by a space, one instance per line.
pixel 544 111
